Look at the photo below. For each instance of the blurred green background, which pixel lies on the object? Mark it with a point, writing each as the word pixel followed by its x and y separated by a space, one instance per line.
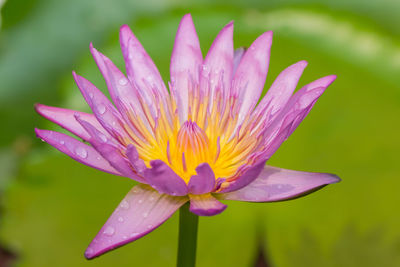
pixel 51 206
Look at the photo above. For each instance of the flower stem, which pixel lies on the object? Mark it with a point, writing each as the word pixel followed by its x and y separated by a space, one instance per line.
pixel 188 223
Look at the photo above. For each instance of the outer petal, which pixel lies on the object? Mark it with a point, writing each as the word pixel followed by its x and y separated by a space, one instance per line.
pixel 186 61
pixel 203 182
pixel 140 212
pixel 205 205
pixel 77 150
pixel 65 118
pixel 162 178
pixel 246 178
pixel 276 184
pixel 251 73
pixel 140 68
pixel 218 65
pixel 281 90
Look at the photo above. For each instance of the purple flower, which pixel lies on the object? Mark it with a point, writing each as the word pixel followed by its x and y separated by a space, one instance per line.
pixel 203 140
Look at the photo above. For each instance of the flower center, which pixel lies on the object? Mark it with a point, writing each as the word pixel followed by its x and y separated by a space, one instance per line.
pixel 191 148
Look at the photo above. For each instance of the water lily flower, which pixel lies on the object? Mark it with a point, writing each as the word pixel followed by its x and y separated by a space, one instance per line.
pixel 204 139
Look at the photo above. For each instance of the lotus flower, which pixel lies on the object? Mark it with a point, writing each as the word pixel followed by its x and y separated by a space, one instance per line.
pixel 203 140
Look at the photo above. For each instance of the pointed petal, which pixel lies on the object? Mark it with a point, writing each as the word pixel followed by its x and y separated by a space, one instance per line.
pixel 123 94
pixel 65 118
pixel 186 61
pixel 102 108
pixel 140 68
pixel 281 90
pixel 246 178
pixel 77 150
pixel 276 184
pixel 219 64
pixel 203 182
pixel 251 73
pixel 162 178
pixel 289 118
pixel 140 212
pixel 237 57
pixel 205 205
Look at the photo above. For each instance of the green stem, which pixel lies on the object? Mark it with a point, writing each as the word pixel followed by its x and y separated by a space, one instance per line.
pixel 187 237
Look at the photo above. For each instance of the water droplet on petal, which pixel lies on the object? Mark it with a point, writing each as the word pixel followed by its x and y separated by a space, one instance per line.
pixel 145 215
pixel 101 109
pixel 133 234
pixel 120 219
pixel 123 81
pixel 140 201
pixel 62 142
pixel 149 226
pixel 124 237
pixel 124 204
pixel 81 152
pixel 102 137
pixel 109 231
pixel 98 158
pixel 91 95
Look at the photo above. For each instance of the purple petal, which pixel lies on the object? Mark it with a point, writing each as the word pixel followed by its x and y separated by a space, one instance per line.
pixel 276 184
pixel 140 67
pixel 140 212
pixel 237 57
pixel 133 156
pixel 109 151
pixel 65 118
pixel 203 182
pixel 251 73
pixel 162 178
pixel 281 90
pixel 77 150
pixel 186 60
pixel 102 108
pixel 246 178
pixel 205 205
pixel 121 90
pixel 219 64
pixel 297 108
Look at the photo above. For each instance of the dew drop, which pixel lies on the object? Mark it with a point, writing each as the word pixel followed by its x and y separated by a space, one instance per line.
pixel 102 137
pixel 124 204
pixel 101 109
pixel 123 81
pixel 133 234
pixel 140 201
pixel 62 142
pixel 149 226
pixel 98 158
pixel 120 219
pixel 109 231
pixel 81 152
pixel 124 237
pixel 91 95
